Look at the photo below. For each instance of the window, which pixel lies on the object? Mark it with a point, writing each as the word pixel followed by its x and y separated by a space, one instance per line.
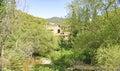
pixel 58 30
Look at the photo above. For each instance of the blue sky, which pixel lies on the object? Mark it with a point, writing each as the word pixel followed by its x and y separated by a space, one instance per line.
pixel 45 8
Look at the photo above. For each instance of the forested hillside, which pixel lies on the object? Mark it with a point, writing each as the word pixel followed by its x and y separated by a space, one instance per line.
pixel 23 39
pixel 29 18
pixel 56 20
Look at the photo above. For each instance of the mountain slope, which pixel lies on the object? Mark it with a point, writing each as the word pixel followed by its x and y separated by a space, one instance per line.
pixel 29 18
pixel 56 20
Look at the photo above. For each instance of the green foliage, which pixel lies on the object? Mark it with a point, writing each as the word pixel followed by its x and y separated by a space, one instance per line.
pixel 2 7
pixel 41 68
pixel 30 30
pixel 27 18
pixel 97 35
pixel 27 38
pixel 90 31
pixel 5 69
pixel 62 58
pixel 109 56
pixel 48 68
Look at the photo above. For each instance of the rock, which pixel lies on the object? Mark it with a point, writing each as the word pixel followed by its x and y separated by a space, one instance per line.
pixel 46 61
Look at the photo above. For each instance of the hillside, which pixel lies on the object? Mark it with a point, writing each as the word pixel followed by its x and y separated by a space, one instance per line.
pixel 27 39
pixel 56 20
pixel 29 18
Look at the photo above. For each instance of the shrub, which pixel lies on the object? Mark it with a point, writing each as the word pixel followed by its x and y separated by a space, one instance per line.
pixel 109 56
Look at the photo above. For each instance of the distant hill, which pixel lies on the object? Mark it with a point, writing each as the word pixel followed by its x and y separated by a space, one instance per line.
pixel 27 18
pixel 56 20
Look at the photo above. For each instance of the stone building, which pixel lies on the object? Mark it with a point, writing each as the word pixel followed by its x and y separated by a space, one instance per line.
pixel 57 31
pixel 65 35
pixel 55 28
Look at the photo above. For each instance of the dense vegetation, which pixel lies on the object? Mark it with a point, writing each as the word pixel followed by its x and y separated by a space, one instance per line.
pixel 23 38
pixel 94 38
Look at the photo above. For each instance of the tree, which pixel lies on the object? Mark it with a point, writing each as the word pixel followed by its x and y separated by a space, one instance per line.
pixel 30 40
pixel 91 24
pixel 6 19
pixel 23 37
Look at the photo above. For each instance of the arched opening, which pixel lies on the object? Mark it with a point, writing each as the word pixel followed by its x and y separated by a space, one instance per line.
pixel 58 30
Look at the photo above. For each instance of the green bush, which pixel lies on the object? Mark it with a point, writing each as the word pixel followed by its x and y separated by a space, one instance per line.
pixel 109 56
pixel 40 68
pixel 48 68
